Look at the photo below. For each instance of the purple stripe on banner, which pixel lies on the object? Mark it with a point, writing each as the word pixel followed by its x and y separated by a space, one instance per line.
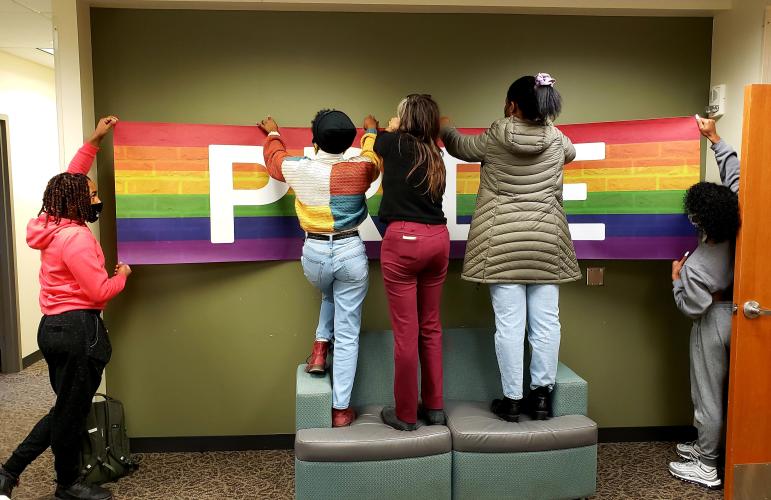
pixel 648 248
pixel 653 248
pixel 174 252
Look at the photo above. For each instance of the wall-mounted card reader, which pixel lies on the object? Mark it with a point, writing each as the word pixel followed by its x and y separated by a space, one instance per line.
pixel 716 107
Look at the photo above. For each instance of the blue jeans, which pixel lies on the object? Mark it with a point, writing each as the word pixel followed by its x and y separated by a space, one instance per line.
pixel 340 270
pixel 538 307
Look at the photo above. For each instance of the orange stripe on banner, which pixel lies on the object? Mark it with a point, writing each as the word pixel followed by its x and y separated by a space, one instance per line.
pixel 183 159
pixel 468 167
pixel 611 179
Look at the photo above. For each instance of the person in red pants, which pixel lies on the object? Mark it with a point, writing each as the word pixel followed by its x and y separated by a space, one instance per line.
pixel 414 257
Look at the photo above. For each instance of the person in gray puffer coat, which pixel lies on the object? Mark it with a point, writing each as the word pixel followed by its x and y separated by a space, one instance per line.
pixel 519 242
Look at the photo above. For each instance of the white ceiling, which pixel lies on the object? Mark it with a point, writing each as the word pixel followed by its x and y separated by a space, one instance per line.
pixel 25 25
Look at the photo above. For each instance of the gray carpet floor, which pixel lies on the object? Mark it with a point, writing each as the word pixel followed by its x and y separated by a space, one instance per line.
pixel 626 470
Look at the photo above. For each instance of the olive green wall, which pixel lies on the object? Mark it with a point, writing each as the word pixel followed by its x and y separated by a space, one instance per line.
pixel 211 349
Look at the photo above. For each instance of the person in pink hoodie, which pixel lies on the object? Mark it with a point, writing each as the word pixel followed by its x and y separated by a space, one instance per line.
pixel 74 289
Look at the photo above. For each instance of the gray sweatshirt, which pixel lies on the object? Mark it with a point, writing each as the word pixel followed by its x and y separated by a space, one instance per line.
pixel 710 268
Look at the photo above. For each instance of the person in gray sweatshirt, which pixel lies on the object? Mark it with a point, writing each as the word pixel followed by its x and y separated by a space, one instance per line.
pixel 703 289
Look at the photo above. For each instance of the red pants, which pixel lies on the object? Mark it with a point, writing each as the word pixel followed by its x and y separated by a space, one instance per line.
pixel 414 260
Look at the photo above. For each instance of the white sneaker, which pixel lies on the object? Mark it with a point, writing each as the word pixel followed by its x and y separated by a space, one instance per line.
pixel 694 471
pixel 687 450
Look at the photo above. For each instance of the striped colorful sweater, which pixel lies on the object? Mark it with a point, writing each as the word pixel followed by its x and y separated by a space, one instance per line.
pixel 329 189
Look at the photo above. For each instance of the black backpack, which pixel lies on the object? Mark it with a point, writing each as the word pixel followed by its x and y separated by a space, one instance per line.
pixel 105 456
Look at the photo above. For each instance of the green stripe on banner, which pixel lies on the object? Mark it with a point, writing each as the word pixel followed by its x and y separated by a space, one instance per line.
pixel 159 206
pixel 614 202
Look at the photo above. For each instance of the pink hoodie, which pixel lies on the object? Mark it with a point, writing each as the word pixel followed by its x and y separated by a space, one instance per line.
pixel 72 273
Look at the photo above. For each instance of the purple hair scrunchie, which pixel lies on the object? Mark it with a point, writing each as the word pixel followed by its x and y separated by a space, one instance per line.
pixel 544 79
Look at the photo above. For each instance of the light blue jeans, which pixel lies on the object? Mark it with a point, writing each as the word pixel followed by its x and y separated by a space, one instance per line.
pixel 536 306
pixel 340 270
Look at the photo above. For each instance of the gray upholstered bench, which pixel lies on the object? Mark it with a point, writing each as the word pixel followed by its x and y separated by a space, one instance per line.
pixel 495 459
pixel 477 456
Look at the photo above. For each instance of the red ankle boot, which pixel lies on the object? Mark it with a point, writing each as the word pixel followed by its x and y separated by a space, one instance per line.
pixel 342 418
pixel 317 363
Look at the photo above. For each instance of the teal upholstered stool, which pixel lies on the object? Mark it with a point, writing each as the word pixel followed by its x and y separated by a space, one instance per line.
pixel 478 456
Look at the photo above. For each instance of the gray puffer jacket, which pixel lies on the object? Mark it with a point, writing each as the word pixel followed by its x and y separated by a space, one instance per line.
pixel 519 231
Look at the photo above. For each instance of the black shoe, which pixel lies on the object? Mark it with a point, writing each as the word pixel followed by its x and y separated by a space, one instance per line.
pixel 539 403
pixel 7 482
pixel 82 491
pixel 433 417
pixel 507 409
pixel 390 418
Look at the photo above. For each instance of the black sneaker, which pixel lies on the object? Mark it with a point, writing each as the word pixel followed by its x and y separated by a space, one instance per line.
pixel 432 417
pixel 82 491
pixel 539 403
pixel 507 409
pixel 7 483
pixel 390 418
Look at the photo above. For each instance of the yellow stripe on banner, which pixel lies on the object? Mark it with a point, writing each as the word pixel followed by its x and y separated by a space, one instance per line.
pixel 612 179
pixel 147 182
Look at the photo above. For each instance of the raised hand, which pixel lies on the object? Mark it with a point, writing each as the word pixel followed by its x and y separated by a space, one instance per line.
pixel 444 121
pixel 268 125
pixel 370 122
pixel 708 129
pixel 102 128
pixel 122 269
pixel 677 265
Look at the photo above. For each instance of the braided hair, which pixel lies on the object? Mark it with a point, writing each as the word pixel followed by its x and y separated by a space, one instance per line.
pixel 67 196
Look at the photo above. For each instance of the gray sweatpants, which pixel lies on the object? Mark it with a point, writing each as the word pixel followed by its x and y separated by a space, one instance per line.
pixel 710 343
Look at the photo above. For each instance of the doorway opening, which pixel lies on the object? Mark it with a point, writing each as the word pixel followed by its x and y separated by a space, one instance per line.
pixel 10 344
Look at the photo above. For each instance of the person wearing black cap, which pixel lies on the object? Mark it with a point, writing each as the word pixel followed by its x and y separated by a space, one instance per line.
pixel 331 204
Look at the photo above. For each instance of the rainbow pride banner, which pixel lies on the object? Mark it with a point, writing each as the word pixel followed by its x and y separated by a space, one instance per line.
pixel 200 193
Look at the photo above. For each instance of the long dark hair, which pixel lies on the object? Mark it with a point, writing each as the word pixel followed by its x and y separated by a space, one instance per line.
pixel 538 103
pixel 419 119
pixel 67 196
pixel 714 209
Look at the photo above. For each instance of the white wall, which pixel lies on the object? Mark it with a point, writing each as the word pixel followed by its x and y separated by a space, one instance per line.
pixel 737 40
pixel 28 98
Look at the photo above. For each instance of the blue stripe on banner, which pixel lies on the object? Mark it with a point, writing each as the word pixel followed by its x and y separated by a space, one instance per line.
pixel 625 225
pixel 198 228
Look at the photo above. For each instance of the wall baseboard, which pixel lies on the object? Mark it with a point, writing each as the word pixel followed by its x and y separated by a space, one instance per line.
pixel 286 441
pixel 212 443
pixel 637 434
pixel 31 359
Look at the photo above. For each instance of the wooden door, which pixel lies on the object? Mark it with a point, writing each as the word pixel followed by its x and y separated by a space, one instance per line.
pixel 748 440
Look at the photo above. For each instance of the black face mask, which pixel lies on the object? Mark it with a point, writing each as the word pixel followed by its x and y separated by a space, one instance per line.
pixel 96 209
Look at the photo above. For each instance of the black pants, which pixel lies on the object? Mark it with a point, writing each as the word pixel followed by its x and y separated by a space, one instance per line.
pixel 76 347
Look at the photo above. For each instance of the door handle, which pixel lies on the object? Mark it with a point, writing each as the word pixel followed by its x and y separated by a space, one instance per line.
pixel 752 310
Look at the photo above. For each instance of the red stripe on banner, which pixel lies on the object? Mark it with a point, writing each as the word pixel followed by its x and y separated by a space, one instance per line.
pixel 626 132
pixel 634 131
pixel 194 135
